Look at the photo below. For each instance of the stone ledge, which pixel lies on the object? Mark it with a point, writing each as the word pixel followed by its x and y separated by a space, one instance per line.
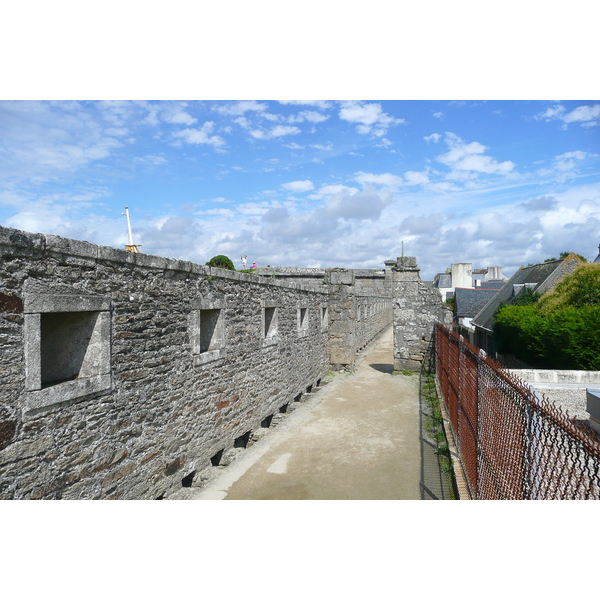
pixel 67 391
pixel 270 341
pixel 45 303
pixel 209 356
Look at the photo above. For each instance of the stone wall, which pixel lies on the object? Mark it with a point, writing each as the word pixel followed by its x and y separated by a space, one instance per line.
pixel 354 318
pixel 417 308
pixel 122 374
pixel 376 282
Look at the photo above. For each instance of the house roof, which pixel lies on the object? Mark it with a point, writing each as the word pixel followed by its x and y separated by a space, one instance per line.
pixel 541 278
pixel 468 302
pixel 492 285
pixel 443 280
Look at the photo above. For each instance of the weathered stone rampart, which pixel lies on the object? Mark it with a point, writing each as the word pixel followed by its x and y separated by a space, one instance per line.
pixel 123 374
pixel 417 308
pixel 366 281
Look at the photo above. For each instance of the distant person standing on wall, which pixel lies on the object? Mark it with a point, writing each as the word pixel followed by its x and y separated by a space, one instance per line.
pixel 244 259
pixel 254 265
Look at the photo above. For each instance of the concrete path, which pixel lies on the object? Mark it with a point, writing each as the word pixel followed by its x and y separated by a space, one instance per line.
pixel 356 438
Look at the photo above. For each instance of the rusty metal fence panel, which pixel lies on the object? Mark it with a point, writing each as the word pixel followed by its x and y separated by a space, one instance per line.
pixel 514 444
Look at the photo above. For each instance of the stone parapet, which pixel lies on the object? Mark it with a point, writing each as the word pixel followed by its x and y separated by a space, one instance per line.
pixel 123 374
pixel 417 308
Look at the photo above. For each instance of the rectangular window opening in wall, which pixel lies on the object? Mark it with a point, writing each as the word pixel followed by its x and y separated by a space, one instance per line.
pixel 208 331
pixel 270 322
pixel 67 348
pixel 211 334
pixel 270 325
pixel 302 321
pixel 324 317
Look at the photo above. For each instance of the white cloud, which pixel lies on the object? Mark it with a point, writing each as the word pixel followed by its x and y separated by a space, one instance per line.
pixel 469 157
pixel 242 122
pixel 422 224
pixel 49 140
pixel 116 131
pixel 330 190
pixel 271 117
pixel 567 164
pixel 256 208
pixel 222 212
pixel 438 115
pixel 321 104
pixel 329 146
pixel 371 117
pixel 299 186
pixel 281 130
pixel 385 143
pixel 241 107
pixel 174 113
pixel 416 178
pixel 180 118
pixel 566 161
pixel 314 117
pixel 385 179
pixel 586 115
pixel 275 132
pixel 433 137
pixel 201 136
pixel 308 115
pixel 550 113
pixel 150 159
pixel 365 205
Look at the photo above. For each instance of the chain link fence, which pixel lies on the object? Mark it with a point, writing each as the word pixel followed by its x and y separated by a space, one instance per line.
pixel 513 442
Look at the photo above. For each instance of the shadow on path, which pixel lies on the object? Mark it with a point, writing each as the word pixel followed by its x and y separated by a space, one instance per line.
pixel 383 368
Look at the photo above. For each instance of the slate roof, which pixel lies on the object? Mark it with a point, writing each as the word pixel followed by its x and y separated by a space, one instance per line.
pixel 468 302
pixel 541 277
pixel 443 280
pixel 492 285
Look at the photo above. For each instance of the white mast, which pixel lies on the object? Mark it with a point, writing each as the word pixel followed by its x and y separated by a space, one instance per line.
pixel 131 246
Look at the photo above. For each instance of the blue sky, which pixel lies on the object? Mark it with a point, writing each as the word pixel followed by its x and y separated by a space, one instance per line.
pixel 309 183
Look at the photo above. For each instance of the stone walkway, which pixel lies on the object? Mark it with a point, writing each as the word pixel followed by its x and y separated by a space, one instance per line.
pixel 355 438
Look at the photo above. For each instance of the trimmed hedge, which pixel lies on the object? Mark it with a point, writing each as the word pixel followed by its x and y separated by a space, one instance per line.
pixel 568 338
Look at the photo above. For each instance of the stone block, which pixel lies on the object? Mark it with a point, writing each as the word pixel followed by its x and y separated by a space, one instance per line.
pixel 593 407
pixel 16 239
pixel 61 245
pixel 406 262
pixel 116 255
pixel 341 277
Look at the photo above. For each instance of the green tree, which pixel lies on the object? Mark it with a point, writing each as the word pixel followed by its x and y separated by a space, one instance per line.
pixel 223 262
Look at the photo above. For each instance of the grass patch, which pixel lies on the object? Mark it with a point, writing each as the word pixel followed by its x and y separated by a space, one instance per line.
pixel 434 425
